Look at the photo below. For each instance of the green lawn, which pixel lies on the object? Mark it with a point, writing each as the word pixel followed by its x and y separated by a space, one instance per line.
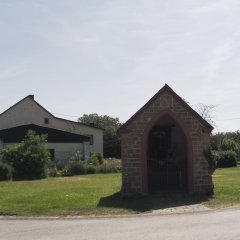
pixel 57 196
pixel 99 194
pixel 226 188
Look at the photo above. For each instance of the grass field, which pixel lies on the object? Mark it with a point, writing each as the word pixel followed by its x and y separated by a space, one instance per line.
pixel 57 196
pixel 99 194
pixel 226 188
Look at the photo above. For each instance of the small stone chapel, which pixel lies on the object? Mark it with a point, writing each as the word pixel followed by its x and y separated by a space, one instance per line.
pixel 162 148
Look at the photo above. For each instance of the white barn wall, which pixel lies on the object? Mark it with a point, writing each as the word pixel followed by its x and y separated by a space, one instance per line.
pixel 28 111
pixel 64 152
pixel 84 130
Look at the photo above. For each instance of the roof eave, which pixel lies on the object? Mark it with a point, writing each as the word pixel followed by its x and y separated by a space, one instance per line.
pixel 165 89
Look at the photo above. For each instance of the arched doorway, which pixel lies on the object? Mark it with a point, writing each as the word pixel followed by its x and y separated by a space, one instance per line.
pixel 166 157
pixel 167 119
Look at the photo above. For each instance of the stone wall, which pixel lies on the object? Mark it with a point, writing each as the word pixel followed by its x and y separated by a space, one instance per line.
pixel 133 137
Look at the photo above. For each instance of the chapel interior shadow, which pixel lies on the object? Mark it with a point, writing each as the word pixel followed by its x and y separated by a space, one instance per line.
pixel 151 202
pixel 167 164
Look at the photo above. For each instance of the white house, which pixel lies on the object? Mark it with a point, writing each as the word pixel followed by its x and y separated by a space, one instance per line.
pixel 65 137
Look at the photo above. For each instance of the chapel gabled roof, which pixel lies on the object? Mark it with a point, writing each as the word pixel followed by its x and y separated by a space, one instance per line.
pixel 167 90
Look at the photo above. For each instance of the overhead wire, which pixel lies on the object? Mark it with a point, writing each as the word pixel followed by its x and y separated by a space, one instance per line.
pixel 226 119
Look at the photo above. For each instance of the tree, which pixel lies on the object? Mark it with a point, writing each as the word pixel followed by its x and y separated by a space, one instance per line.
pixel 30 158
pixel 111 141
pixel 206 112
pixel 222 140
pixel 225 149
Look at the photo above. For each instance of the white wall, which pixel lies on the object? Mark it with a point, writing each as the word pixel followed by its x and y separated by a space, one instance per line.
pixel 64 152
pixel 82 129
pixel 28 111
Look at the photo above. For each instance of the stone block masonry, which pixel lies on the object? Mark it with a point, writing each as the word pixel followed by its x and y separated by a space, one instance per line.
pixel 134 136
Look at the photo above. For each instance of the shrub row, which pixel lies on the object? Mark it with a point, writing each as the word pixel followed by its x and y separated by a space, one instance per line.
pixel 226 159
pixel 224 151
pixel 221 159
pixel 80 168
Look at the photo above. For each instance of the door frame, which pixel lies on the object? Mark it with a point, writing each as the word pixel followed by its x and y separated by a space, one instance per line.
pixel 144 147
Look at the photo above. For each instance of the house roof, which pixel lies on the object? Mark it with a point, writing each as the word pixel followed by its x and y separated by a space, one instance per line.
pixel 16 134
pixel 167 90
pixel 32 98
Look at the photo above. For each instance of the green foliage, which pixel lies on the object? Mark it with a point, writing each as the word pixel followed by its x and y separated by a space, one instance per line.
pixel 229 144
pixel 30 158
pixel 78 167
pixel 54 172
pixel 96 159
pixel 77 157
pixel 111 145
pixel 10 154
pixel 74 168
pixel 6 171
pixel 65 172
pixel 227 159
pixel 90 169
pixel 111 141
pixel 219 139
pixel 220 159
pixel 225 148
pixel 212 158
pixel 110 166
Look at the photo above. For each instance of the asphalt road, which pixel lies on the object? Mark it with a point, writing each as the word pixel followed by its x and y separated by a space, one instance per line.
pixel 221 224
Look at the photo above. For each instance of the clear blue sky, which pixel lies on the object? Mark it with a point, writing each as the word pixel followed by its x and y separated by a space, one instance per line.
pixel 111 56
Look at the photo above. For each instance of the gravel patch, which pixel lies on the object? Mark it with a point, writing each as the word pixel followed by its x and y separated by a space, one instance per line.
pixel 182 209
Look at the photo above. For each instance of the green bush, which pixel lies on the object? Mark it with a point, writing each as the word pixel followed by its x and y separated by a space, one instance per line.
pixel 54 172
pixel 74 168
pixel 10 154
pixel 6 171
pixel 96 159
pixel 109 166
pixel 227 159
pixel 30 158
pixel 212 158
pixel 90 169
pixel 77 157
pixel 65 172
pixel 79 167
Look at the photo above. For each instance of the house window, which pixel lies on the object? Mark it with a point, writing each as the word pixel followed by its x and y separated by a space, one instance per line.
pixel 46 120
pixel 91 139
pixel 52 157
pixel 52 154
